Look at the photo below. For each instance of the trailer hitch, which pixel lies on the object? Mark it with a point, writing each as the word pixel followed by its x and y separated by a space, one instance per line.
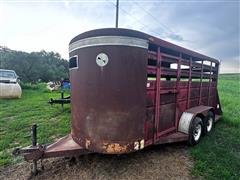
pixel 63 100
pixel 60 101
pixel 33 152
pixel 26 150
pixel 64 147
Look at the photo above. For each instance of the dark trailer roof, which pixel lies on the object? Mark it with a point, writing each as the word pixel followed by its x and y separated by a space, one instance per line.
pixel 166 47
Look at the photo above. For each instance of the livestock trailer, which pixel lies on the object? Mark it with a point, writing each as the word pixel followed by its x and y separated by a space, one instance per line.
pixel 130 90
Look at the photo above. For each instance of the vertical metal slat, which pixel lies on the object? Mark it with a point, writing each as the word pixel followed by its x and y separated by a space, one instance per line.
pixel 210 84
pixel 177 89
pixel 200 91
pixel 189 82
pixel 157 104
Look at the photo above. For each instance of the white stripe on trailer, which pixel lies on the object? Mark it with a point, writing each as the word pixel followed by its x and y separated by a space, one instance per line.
pixel 109 40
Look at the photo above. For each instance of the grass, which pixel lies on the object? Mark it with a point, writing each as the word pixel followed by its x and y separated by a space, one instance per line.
pixel 229 90
pixel 217 156
pixel 17 116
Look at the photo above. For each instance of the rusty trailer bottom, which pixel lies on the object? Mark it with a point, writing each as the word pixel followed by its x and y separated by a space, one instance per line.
pixel 67 147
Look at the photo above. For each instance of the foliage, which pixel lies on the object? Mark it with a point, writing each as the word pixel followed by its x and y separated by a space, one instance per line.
pixel 35 66
pixel 33 86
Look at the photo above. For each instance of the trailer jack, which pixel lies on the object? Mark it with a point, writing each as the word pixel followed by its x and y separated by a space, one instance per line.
pixel 36 151
pixel 64 147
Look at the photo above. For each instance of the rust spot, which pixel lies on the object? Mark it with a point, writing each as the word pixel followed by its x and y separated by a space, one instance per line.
pixel 87 143
pixel 114 148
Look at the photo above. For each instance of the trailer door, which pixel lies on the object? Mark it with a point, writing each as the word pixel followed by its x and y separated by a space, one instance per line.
pixel 161 95
pixel 166 96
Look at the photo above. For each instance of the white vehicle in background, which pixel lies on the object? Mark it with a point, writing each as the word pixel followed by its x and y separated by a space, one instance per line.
pixel 9 84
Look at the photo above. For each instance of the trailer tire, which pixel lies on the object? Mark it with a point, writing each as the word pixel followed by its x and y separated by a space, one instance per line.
pixel 195 131
pixel 209 122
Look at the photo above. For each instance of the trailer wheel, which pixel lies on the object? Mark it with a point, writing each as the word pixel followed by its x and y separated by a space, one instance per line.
pixel 209 123
pixel 195 131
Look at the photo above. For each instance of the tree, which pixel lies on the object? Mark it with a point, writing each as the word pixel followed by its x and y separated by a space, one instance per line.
pixel 47 66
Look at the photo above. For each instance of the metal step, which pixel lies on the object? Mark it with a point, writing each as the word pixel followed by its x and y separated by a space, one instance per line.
pixel 175 137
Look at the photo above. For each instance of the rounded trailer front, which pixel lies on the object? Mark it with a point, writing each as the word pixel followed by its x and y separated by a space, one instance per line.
pixel 108 77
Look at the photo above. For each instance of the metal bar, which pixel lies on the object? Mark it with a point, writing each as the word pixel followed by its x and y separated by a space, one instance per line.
pixel 62 94
pixel 217 72
pixel 174 137
pixel 200 91
pixel 152 53
pixel 210 83
pixel 189 82
pixel 177 88
pixel 117 8
pixel 157 105
pixel 170 57
pixel 166 131
pixel 34 143
pixel 29 149
pixel 34 135
pixel 59 101
pixel 62 97
pixel 219 110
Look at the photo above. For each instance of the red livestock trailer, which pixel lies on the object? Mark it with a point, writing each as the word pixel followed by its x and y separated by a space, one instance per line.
pixel 130 90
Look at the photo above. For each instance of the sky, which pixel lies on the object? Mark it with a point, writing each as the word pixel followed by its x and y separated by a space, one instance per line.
pixel 211 27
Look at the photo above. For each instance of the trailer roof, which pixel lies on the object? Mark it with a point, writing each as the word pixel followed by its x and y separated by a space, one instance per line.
pixel 137 34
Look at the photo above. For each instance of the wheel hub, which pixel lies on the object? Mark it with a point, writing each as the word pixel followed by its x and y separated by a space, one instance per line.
pixel 197 132
pixel 209 124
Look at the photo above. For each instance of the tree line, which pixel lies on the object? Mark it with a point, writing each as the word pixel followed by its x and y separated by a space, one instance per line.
pixel 35 66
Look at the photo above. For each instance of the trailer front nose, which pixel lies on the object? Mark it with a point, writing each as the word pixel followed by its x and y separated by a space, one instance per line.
pixel 108 90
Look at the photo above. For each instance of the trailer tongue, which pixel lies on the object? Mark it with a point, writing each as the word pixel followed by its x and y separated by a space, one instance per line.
pixel 64 147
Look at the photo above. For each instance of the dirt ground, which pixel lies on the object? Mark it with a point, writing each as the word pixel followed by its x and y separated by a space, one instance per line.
pixel 156 162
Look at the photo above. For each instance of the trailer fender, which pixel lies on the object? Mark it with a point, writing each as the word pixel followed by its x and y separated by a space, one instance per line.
pixel 185 122
pixel 187 117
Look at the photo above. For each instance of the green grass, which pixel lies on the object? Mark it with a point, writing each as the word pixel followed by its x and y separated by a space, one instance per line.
pixel 229 91
pixel 217 156
pixel 17 116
